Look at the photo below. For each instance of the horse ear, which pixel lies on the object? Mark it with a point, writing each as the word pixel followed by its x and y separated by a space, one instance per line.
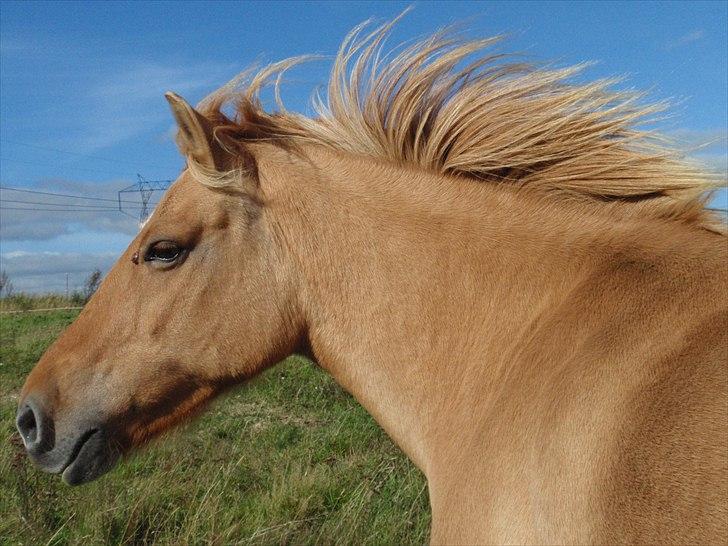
pixel 195 138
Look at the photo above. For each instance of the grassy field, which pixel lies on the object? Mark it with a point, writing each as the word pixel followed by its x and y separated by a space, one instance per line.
pixel 287 459
pixel 26 302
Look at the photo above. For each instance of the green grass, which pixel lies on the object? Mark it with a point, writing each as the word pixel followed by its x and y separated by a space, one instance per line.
pixel 287 459
pixel 26 302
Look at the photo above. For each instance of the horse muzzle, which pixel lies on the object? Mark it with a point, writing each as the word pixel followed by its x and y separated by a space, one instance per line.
pixel 80 453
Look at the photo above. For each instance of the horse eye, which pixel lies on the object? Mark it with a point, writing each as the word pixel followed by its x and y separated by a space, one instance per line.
pixel 163 251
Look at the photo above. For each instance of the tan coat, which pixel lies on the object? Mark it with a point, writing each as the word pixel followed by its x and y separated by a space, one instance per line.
pixel 525 292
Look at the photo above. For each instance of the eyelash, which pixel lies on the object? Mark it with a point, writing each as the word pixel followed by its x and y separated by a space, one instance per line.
pixel 164 252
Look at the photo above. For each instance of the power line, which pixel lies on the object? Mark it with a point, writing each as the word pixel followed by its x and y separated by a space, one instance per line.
pixel 88 209
pixel 110 209
pixel 99 209
pixel 66 195
pixel 74 205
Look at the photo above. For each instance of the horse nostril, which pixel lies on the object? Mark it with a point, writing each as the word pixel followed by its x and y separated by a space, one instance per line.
pixel 32 428
pixel 27 425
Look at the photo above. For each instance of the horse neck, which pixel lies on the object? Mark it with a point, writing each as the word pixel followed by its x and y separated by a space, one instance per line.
pixel 414 286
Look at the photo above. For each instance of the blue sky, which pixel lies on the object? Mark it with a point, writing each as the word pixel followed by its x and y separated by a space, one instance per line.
pixel 81 84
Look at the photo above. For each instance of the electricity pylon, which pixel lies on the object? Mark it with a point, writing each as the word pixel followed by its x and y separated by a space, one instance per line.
pixel 146 189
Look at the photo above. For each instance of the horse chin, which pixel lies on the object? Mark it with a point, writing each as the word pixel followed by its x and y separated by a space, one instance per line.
pixel 94 456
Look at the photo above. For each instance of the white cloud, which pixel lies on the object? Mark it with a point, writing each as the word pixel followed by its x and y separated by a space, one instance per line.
pixel 39 248
pixel 44 272
pixel 701 140
pixel 21 225
pixel 709 147
pixel 714 162
pixel 687 38
pixel 17 254
pixel 126 103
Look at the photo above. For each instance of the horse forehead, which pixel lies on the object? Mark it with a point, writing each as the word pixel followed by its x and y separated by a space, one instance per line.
pixel 187 198
pixel 186 189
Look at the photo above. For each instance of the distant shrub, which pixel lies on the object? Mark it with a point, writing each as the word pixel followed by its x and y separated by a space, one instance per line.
pixel 6 286
pixel 91 284
pixel 78 298
pixel 21 301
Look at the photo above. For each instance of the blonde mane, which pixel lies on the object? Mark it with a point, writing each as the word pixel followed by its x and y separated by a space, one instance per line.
pixel 490 120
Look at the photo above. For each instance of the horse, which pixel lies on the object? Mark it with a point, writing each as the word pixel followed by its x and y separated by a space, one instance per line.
pixel 520 283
